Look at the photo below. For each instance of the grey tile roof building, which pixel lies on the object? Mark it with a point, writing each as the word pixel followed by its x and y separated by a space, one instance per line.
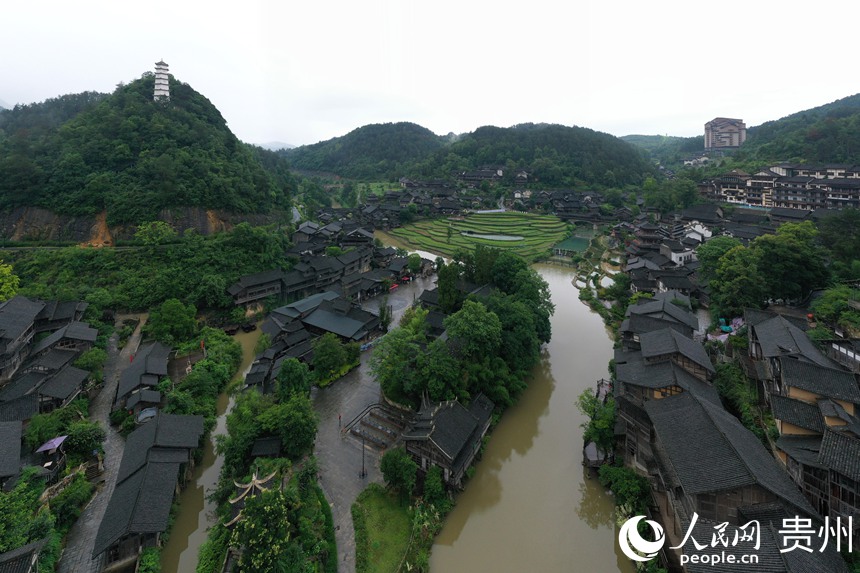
pixel 686 427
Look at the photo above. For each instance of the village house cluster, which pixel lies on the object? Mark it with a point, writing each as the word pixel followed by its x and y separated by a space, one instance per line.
pixel 39 342
pixel 673 428
pixel 789 186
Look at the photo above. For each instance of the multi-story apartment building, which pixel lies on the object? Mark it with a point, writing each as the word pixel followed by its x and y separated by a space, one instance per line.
pixel 725 132
pixel 790 186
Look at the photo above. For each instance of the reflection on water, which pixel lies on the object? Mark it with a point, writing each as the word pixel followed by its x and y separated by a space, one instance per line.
pixel 530 505
pixel 196 513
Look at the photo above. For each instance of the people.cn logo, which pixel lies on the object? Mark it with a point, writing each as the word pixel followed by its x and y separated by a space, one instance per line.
pixel 634 546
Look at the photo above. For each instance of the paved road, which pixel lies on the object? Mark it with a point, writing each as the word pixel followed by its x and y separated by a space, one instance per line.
pixel 77 555
pixel 339 455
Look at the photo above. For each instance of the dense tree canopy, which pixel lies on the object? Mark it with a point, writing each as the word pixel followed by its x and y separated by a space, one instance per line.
pixel 369 152
pixel 132 156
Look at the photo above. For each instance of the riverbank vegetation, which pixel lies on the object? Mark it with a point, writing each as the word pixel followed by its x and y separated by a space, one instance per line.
pixel 493 340
pixel 289 525
pixel 492 343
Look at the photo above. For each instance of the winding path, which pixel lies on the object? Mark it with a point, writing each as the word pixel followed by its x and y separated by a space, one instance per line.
pixel 77 554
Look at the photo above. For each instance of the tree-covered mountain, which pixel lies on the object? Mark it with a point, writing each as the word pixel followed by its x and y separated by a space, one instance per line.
pixel 553 155
pixel 132 157
pixel 667 149
pixel 370 152
pixel 826 134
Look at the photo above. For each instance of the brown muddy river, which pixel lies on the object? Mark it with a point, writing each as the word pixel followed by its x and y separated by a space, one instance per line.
pixel 530 506
pixel 197 514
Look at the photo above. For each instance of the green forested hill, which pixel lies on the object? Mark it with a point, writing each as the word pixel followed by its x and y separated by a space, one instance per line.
pixel 554 155
pixel 667 149
pixel 370 152
pixel 131 156
pixel 826 134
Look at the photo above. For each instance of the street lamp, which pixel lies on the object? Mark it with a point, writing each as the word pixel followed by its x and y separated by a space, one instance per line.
pixel 363 473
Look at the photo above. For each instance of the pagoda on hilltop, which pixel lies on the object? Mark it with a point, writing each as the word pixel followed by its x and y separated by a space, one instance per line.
pixel 162 87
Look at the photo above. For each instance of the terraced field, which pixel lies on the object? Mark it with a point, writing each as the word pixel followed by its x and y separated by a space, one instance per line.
pixel 538 233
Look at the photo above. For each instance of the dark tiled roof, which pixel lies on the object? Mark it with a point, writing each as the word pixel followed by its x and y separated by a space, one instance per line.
pixel 829 382
pixel 641 323
pixel 841 453
pixel 663 308
pixel 452 427
pixel 144 396
pixel 17 315
pixel 163 431
pixel 754 316
pixel 795 412
pixel 267 446
pixel 19 409
pixel 54 359
pixel 779 337
pixel 255 279
pixel 19 560
pixel 687 428
pixel 667 341
pixel 74 331
pixel 139 504
pixel 21 385
pixel 663 375
pixel 64 383
pixel 10 449
pixel 151 359
pixel 804 449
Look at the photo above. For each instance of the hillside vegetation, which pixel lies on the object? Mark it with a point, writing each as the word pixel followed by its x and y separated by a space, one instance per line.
pixel 370 152
pixel 133 157
pixel 826 134
pixel 554 155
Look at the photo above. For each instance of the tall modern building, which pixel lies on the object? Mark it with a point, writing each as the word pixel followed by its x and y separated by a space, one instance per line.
pixel 162 87
pixel 724 132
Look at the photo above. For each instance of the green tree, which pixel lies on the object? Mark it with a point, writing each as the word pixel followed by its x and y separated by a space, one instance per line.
pixel 92 360
pixel 840 233
pixel 738 283
pixel 710 252
pixel 791 264
pixel 414 263
pixel 600 427
pixel 264 533
pixel 83 437
pixel 450 297
pixel 329 356
pixel 172 322
pixel 475 331
pixel 9 282
pixel 154 233
pixel 434 489
pixel 384 314
pixel 294 421
pixel 294 377
pixel 399 471
pixel 394 362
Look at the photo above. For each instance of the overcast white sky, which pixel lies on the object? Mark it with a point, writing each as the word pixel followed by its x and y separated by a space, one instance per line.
pixel 302 72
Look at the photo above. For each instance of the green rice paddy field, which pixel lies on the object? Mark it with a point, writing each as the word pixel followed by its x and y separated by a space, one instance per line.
pixel 538 232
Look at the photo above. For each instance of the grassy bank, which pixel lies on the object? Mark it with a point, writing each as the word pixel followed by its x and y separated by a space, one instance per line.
pixel 382 530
